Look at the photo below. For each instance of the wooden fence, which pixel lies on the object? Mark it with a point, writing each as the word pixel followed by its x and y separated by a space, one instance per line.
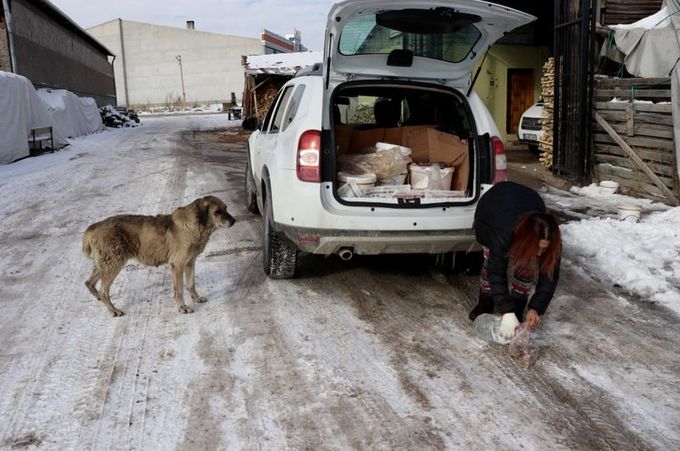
pixel 633 137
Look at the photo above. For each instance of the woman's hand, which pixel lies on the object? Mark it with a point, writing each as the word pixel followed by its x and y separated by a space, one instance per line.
pixel 533 319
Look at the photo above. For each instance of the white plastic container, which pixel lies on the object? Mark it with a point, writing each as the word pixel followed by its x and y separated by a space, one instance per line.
pixel 404 151
pixel 608 187
pixel 356 182
pixel 629 213
pixel 430 177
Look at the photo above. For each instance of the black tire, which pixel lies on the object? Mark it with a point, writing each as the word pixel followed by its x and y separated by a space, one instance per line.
pixel 533 148
pixel 251 194
pixel 278 257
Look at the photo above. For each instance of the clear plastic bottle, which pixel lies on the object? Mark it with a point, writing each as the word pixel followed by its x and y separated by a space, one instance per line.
pixel 487 326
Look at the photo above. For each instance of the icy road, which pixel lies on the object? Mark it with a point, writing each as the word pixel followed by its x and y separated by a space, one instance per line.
pixel 374 354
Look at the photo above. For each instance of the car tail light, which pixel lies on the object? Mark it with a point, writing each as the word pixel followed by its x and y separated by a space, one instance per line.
pixel 500 160
pixel 309 156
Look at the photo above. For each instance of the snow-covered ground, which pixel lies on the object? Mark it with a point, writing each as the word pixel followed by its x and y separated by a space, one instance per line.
pixel 371 354
pixel 640 258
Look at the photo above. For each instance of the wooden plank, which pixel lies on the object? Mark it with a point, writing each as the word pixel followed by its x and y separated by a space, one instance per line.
pixel 635 176
pixel 646 155
pixel 638 107
pixel 631 153
pixel 659 169
pixel 637 93
pixel 637 141
pixel 630 122
pixel 626 185
pixel 640 129
pixel 609 83
pixel 648 118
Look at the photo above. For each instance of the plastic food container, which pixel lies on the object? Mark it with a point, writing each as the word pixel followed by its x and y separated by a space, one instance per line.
pixel 629 213
pixel 608 187
pixel 361 181
pixel 430 177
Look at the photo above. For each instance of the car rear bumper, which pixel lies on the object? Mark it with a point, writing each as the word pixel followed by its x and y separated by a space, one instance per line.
pixel 371 242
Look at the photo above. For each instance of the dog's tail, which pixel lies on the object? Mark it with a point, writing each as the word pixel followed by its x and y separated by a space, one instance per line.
pixel 87 247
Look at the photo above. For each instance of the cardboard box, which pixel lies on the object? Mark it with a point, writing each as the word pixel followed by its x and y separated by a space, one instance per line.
pixel 430 145
pixel 343 137
pixel 362 139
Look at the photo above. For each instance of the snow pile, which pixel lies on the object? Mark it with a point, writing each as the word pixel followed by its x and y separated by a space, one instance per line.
pixel 281 63
pixel 643 258
pixel 114 118
pixel 595 193
pixel 73 116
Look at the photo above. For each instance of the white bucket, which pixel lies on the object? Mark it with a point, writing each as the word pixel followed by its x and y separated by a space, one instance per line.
pixel 404 151
pixel 608 187
pixel 430 177
pixel 629 213
pixel 357 182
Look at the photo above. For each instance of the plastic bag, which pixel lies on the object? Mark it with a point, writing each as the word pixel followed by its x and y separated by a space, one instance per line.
pixel 385 164
pixel 523 346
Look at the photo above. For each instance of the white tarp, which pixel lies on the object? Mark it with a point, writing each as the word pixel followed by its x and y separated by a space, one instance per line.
pixel 20 111
pixel 73 116
pixel 650 48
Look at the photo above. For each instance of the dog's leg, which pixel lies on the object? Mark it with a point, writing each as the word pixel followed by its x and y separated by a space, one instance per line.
pixel 107 279
pixel 91 283
pixel 189 271
pixel 178 285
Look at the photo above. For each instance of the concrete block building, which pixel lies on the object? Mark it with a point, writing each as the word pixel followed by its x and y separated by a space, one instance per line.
pixel 43 44
pixel 155 65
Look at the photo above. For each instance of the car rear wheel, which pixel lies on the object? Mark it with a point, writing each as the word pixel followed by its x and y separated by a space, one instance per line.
pixel 278 257
pixel 251 194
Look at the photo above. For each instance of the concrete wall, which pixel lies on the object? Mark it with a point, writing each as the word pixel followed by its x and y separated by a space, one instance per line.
pixel 54 56
pixel 492 84
pixel 147 72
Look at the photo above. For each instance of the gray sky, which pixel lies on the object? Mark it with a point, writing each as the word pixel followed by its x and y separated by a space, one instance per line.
pixel 238 17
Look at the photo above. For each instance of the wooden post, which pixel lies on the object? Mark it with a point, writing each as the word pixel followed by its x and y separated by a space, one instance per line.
pixel 633 156
pixel 630 121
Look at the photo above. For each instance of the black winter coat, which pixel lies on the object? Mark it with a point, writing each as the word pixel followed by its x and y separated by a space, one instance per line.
pixel 496 216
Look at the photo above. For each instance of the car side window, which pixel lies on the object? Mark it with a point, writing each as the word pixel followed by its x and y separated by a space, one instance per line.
pixel 293 106
pixel 268 118
pixel 280 108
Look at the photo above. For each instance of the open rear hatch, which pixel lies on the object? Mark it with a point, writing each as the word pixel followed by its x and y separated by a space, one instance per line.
pixel 396 73
pixel 414 39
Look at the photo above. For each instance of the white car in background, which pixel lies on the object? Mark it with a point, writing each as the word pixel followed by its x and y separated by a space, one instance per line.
pixel 387 66
pixel 530 128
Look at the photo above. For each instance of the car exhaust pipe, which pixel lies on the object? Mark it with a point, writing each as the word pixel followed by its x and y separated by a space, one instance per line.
pixel 346 254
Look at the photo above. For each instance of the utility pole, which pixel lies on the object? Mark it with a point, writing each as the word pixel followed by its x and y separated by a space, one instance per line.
pixel 181 74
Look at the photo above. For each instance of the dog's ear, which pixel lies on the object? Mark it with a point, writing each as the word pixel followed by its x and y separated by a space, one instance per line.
pixel 202 211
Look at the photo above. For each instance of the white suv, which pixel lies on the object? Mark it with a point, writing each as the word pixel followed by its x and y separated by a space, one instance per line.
pixel 394 73
pixel 530 126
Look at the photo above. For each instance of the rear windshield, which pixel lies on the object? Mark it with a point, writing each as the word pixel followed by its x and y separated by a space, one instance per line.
pixel 363 35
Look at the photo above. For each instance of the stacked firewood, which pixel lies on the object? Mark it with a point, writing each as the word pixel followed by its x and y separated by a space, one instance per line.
pixel 265 99
pixel 548 90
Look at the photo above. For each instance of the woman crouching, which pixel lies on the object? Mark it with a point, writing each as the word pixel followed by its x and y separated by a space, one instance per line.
pixel 518 237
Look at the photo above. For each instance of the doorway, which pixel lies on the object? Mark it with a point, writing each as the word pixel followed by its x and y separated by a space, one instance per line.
pixel 520 96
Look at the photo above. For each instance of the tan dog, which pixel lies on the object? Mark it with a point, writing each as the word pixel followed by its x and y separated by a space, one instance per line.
pixel 153 240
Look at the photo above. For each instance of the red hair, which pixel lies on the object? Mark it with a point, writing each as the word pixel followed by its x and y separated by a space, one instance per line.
pixel 531 228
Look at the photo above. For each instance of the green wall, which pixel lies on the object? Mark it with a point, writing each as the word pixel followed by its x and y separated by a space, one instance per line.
pixel 492 84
